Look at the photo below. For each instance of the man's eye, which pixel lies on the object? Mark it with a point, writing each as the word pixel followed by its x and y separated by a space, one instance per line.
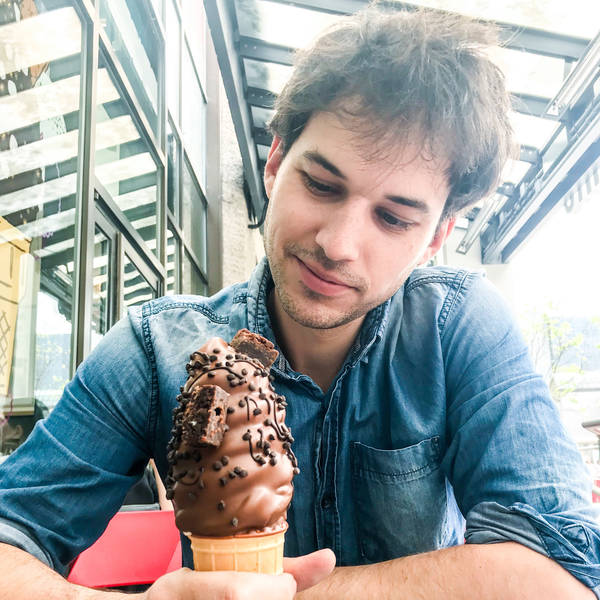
pixel 392 221
pixel 316 186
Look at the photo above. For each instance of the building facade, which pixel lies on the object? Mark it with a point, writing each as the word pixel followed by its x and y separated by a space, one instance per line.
pixel 118 170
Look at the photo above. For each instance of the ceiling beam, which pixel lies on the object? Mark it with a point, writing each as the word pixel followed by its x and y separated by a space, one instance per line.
pixel 260 98
pixel 520 214
pixel 220 20
pixel 512 36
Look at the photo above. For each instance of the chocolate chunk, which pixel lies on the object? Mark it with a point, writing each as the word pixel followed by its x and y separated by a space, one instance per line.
pixel 255 346
pixel 204 417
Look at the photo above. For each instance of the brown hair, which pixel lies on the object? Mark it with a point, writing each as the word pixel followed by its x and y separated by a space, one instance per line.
pixel 397 71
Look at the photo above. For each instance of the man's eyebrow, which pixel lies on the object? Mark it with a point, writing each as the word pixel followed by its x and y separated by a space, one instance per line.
pixel 317 157
pixel 418 204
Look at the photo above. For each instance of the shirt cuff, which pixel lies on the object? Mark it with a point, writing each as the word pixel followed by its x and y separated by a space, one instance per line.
pixel 571 542
pixel 11 534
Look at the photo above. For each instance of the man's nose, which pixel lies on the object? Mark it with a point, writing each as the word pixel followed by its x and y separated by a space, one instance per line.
pixel 341 233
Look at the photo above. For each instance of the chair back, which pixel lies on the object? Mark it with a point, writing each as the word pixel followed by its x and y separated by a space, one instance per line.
pixel 137 547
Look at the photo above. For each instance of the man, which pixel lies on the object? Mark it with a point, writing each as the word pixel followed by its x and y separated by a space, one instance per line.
pixel 410 393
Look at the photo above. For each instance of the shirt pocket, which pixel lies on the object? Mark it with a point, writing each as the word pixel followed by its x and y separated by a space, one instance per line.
pixel 400 499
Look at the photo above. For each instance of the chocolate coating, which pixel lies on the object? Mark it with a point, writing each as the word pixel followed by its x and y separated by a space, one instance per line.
pixel 243 484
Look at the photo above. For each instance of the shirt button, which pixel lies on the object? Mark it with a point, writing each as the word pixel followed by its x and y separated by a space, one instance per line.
pixel 326 502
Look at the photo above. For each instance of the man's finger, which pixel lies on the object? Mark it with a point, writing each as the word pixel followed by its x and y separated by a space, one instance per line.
pixel 310 569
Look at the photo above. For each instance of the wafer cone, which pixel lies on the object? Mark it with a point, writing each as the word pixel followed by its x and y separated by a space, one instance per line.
pixel 257 553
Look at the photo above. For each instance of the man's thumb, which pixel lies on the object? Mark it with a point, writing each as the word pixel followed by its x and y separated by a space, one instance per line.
pixel 310 569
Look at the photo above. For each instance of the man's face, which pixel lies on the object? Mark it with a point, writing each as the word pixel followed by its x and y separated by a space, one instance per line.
pixel 343 233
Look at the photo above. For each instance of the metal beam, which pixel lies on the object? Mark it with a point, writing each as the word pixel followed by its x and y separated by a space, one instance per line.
pixel 84 211
pixel 535 106
pixel 561 190
pixel 521 214
pixel 219 17
pixel 260 98
pixel 529 154
pixel 512 36
pixel 256 49
pixel 262 136
pixel 261 50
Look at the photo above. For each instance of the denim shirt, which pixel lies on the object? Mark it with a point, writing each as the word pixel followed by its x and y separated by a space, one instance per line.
pixel 435 431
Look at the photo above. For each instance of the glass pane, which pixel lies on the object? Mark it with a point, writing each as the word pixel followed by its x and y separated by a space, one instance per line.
pixel 261 116
pixel 173 161
pixel 194 119
pixel 124 164
pixel 128 27
pixel 194 216
pixel 532 131
pixel 101 292
pixel 135 289
pixel 158 8
pixel 194 21
pixel 555 149
pixel 193 282
pixel 269 76
pixel 279 23
pixel 579 18
pixel 529 73
pixel 514 170
pixel 39 131
pixel 173 66
pixel 263 152
pixel 173 267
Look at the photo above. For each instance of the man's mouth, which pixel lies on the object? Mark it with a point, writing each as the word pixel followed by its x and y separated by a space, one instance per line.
pixel 320 282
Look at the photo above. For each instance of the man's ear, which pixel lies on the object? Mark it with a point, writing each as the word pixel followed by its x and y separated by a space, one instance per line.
pixel 442 232
pixel 273 163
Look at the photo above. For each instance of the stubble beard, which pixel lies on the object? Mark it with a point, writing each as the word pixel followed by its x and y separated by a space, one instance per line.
pixel 313 315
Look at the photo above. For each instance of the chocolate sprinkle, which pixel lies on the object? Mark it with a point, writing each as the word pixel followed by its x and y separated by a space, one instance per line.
pixel 221 505
pixel 217 466
pixel 234 522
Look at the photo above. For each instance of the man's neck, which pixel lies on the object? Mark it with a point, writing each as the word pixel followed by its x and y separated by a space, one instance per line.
pixel 318 353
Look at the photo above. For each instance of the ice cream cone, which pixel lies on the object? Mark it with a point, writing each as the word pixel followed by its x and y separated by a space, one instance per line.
pixel 257 553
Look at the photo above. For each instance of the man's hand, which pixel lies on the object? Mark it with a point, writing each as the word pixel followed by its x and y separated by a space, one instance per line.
pixel 301 573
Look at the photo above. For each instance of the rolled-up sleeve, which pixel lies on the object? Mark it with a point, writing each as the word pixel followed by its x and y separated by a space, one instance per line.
pixel 516 474
pixel 59 490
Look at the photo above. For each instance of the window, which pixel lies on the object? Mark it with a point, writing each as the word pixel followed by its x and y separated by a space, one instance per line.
pixel 39 134
pixel 125 164
pixel 134 41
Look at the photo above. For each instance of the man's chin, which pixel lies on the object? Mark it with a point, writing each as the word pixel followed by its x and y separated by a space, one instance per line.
pixel 314 316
